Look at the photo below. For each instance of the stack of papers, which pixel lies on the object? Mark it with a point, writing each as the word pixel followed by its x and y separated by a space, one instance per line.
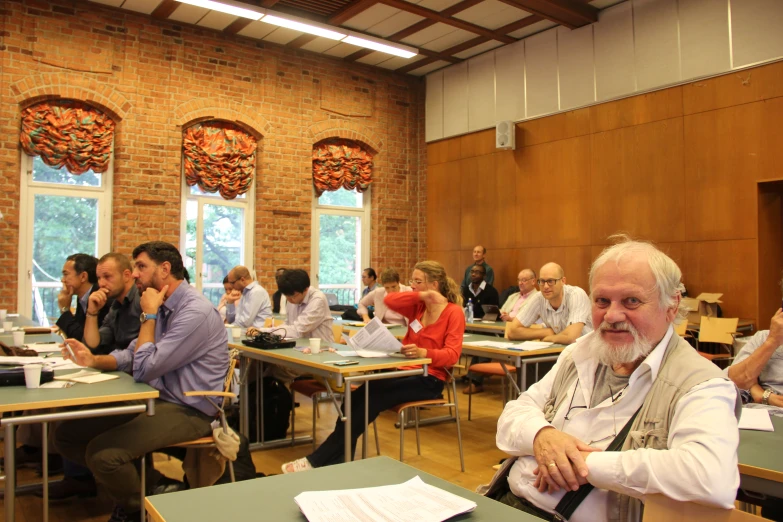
pixel 525 346
pixel 412 501
pixel 86 377
pixel 55 363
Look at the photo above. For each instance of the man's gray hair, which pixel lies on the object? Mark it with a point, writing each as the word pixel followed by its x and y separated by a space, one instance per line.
pixel 668 276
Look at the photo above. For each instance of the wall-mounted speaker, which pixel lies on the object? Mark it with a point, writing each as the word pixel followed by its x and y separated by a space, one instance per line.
pixel 505 135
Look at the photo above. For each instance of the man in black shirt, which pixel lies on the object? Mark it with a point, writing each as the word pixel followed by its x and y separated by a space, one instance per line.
pixel 277 295
pixel 79 278
pixel 479 291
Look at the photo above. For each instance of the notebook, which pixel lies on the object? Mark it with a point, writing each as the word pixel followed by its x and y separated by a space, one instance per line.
pixel 491 313
pixel 86 377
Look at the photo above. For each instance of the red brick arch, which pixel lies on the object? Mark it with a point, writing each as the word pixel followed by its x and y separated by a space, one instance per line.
pixel 347 130
pixel 197 110
pixel 52 86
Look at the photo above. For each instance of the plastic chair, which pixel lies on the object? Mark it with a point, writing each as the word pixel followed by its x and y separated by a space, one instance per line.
pixel 416 405
pixel 492 369
pixel 208 441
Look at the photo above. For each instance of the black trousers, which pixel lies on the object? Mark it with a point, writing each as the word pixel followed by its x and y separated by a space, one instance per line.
pixel 384 394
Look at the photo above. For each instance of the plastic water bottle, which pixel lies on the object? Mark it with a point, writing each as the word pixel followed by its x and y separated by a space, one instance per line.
pixel 469 311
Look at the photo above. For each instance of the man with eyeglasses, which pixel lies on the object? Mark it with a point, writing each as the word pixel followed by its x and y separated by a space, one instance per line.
pixel 564 310
pixel 516 301
pixel 629 410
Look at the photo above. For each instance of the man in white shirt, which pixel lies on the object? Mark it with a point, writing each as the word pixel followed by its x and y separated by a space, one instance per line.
pixel 516 301
pixel 632 371
pixel 564 310
pixel 390 280
pixel 253 307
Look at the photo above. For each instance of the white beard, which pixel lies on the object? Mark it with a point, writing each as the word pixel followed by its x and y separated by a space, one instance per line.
pixel 612 355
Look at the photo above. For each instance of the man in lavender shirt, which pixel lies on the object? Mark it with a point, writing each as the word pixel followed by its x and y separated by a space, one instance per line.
pixel 182 346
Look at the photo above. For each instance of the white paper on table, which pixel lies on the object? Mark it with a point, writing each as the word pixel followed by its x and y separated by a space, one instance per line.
pixel 21 361
pixel 44 347
pixel 755 419
pixel 56 385
pixel 59 363
pixel 411 501
pixel 531 345
pixel 374 337
pixel 346 353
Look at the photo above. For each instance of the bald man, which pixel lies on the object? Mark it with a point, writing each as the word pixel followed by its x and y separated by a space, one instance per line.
pixel 565 310
pixel 249 304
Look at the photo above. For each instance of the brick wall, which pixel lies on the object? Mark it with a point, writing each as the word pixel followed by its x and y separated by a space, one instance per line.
pixel 156 76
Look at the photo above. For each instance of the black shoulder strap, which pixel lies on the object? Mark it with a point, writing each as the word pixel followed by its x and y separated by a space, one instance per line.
pixel 571 500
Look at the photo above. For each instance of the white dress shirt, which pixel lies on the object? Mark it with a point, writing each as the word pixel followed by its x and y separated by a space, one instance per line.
pixel 575 308
pixel 375 298
pixel 310 318
pixel 700 464
pixel 252 309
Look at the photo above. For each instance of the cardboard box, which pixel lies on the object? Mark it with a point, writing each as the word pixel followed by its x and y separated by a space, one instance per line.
pixel 706 304
pixel 717 330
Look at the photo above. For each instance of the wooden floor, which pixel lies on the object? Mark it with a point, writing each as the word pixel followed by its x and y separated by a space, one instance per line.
pixel 439 456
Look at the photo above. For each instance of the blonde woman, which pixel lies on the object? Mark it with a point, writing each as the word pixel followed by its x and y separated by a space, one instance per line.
pixel 436 324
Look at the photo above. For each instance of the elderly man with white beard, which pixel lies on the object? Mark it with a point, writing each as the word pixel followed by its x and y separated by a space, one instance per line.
pixel 628 410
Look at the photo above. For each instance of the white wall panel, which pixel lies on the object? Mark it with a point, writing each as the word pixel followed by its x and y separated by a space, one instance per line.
pixel 481 92
pixel 576 67
pixel 510 82
pixel 704 37
pixel 541 73
pixel 614 60
pixel 455 97
pixel 756 30
pixel 433 107
pixel 656 41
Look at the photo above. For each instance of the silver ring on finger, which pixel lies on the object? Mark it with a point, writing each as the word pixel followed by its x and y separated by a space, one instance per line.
pixel 552 465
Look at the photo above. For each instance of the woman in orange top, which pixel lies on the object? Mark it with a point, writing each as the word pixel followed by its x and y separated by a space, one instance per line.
pixel 436 324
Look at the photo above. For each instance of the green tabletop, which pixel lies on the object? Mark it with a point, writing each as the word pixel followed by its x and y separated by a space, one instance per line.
pixel 554 349
pixel 19 398
pixel 272 498
pixel 760 459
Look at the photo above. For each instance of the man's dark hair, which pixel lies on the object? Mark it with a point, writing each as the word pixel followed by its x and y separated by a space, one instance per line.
pixel 371 273
pixel 160 252
pixel 225 280
pixel 293 281
pixel 84 263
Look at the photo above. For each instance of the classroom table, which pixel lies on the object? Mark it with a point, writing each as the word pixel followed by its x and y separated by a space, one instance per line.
pixel 272 498
pixel 761 461
pixel 316 364
pixel 23 401
pixel 517 358
pixel 497 328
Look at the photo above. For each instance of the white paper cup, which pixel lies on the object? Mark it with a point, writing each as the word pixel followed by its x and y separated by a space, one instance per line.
pixel 32 375
pixel 237 333
pixel 315 345
pixel 3 314
pixel 18 337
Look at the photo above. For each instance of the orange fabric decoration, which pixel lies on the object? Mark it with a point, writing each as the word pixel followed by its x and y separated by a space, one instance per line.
pixel 68 133
pixel 219 157
pixel 341 163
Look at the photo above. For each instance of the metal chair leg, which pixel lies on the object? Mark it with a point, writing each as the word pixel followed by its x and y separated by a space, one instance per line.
pixel 416 420
pixel 459 430
pixel 401 420
pixel 470 403
pixel 293 417
pixel 377 442
pixel 315 413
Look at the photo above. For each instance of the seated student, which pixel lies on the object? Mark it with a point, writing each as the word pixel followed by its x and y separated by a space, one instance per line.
pixel 182 346
pixel 633 372
pixel 278 300
pixel 564 310
pixel 479 291
pixel 436 326
pixel 390 280
pixel 254 306
pixel 369 280
pixel 78 278
pixel 229 289
pixel 516 301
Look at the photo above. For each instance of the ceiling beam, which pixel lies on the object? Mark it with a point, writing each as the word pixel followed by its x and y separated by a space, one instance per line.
pixel 237 25
pixel 564 12
pixel 454 22
pixel 351 10
pixel 456 49
pixel 301 40
pixel 164 9
pixel 268 3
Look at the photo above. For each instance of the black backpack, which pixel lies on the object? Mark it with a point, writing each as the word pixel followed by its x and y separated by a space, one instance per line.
pixel 277 409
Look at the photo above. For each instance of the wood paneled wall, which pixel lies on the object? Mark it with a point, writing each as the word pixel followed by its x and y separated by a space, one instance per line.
pixel 680 167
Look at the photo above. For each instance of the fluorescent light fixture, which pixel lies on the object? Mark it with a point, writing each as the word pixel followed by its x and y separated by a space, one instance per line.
pixel 380 45
pixel 227 6
pixel 304 26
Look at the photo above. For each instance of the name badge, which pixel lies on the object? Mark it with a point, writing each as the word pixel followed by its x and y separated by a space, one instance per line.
pixel 416 326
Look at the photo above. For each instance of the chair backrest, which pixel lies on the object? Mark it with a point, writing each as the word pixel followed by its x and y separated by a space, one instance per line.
pixel 337 332
pixel 658 508
pixel 331 299
pixel 233 357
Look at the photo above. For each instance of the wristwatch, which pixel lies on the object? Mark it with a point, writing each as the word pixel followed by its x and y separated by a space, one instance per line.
pixel 147 317
pixel 766 396
pixel 64 309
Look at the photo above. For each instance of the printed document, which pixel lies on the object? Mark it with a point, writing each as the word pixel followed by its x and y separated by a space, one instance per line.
pixel 374 340
pixel 755 419
pixel 412 501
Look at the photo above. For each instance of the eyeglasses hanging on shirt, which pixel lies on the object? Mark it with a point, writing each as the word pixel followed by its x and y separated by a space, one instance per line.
pixel 570 413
